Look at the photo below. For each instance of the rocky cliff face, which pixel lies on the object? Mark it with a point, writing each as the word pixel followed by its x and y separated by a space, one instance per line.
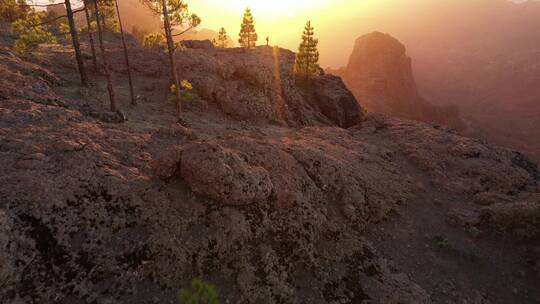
pixel 380 74
pixel 261 86
pixel 275 193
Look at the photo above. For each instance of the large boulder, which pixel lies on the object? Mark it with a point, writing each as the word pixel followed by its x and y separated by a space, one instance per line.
pixel 224 175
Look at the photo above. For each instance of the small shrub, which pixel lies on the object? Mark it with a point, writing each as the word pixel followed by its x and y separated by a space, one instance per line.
pixel 179 46
pixel 185 92
pixel 199 292
pixel 441 242
pixel 63 27
pixel 153 40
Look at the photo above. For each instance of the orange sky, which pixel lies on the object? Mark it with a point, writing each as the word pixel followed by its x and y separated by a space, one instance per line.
pixel 284 20
pixel 337 22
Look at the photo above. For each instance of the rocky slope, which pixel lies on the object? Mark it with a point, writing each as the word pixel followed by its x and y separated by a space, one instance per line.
pixel 380 74
pixel 276 193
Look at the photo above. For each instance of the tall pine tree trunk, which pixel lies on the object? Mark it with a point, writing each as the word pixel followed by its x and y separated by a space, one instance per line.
pixel 170 47
pixel 90 36
pixel 76 44
pixel 126 55
pixel 104 25
pixel 104 60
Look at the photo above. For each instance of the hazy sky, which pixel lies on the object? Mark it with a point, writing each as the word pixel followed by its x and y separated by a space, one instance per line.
pixel 337 22
pixel 282 20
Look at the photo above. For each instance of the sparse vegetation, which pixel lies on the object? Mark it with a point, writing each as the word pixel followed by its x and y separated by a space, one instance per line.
pixel 32 30
pixel 199 292
pixel 104 61
pixel 89 32
pixel 153 40
pixel 441 242
pixel 174 13
pixel 63 28
pixel 108 15
pixel 177 13
pixel 184 94
pixel 307 58
pixel 248 35
pixel 126 54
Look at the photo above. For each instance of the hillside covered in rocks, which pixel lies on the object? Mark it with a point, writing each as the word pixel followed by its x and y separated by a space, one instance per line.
pixel 274 192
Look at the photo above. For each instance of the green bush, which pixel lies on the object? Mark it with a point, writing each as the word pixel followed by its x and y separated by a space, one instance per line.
pixel 32 31
pixel 199 292
pixel 185 92
pixel 153 40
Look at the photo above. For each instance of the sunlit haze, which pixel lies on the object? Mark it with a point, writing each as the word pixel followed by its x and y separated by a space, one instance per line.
pixel 282 20
pixel 337 22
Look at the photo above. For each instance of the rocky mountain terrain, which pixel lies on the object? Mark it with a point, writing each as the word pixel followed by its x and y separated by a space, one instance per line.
pixel 379 73
pixel 492 73
pixel 275 192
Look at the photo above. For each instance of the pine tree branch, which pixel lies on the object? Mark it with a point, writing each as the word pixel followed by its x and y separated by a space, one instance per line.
pixel 38 5
pixel 183 32
pixel 56 18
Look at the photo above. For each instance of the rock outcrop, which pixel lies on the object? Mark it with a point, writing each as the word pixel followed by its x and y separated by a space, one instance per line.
pixel 224 175
pixel 379 73
pixel 197 44
pixel 261 86
pixel 295 212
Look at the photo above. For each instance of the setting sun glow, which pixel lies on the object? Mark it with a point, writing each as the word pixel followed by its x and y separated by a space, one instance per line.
pixel 282 21
pixel 275 7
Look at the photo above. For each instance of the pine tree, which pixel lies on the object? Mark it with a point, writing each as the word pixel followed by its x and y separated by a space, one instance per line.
pixel 108 16
pixel 35 27
pixel 248 36
pixel 126 55
pixel 32 29
pixel 76 44
pixel 104 61
pixel 222 38
pixel 307 59
pixel 90 36
pixel 174 13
